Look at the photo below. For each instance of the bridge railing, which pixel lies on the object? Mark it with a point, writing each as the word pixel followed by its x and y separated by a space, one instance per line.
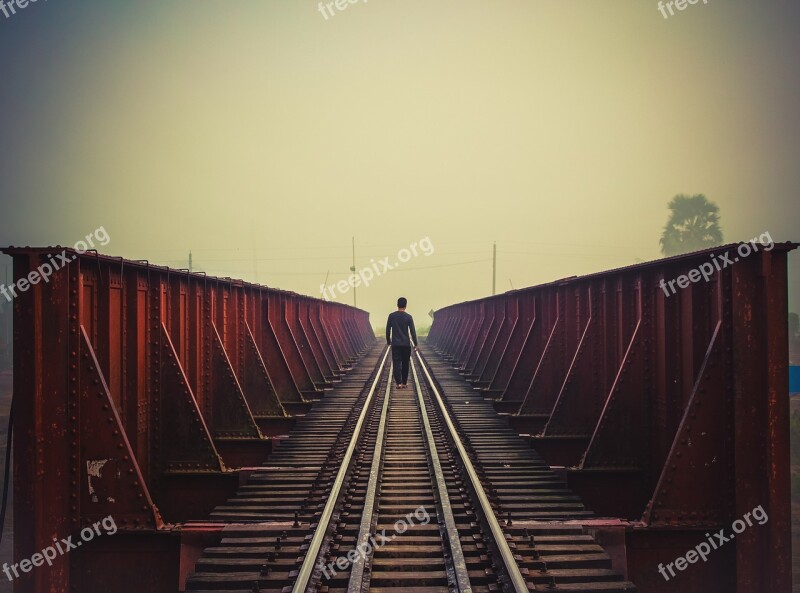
pixel 662 388
pixel 137 388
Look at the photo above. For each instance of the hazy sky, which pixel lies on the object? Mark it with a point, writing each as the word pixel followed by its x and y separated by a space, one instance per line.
pixel 262 137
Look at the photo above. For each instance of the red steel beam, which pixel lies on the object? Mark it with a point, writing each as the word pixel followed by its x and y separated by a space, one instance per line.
pixel 669 411
pixel 137 388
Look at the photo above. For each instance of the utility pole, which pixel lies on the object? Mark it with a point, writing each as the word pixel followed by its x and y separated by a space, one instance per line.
pixel 353 269
pixel 255 248
pixel 494 268
pixel 255 264
pixel 190 262
pixel 7 321
pixel 325 285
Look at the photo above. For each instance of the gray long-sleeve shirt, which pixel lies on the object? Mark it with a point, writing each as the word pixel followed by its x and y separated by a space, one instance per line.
pixel 397 327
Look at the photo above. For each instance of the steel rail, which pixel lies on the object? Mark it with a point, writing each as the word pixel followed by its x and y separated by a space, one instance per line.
pixel 310 561
pixel 516 579
pixel 365 529
pixel 456 552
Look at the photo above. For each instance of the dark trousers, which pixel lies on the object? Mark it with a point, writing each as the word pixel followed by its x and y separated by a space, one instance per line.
pixel 401 355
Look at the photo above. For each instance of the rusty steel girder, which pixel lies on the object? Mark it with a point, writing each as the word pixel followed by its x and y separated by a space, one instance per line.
pixel 138 391
pixel 668 410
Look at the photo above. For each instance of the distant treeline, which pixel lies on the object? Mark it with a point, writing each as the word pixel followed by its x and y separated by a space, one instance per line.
pixel 421 331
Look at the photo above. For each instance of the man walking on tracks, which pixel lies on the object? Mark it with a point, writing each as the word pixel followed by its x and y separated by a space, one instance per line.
pixel 397 327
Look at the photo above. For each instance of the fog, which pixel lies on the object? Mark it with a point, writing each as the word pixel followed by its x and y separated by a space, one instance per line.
pixel 264 138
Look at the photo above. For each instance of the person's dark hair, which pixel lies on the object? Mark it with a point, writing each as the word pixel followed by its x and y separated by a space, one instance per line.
pixel 401 303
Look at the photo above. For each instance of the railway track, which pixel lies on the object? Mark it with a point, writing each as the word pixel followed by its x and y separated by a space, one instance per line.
pixel 403 490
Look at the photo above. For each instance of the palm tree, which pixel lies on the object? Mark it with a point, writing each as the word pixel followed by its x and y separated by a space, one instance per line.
pixel 693 224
